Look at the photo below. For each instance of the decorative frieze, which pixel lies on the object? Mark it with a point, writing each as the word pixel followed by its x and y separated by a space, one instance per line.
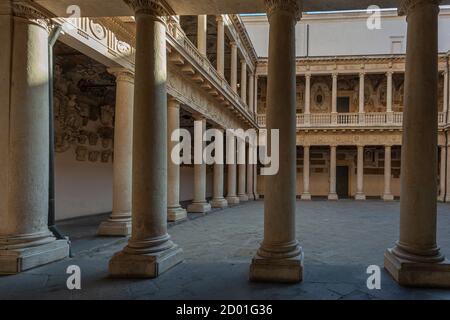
pixel 157 8
pixel 287 6
pixel 26 11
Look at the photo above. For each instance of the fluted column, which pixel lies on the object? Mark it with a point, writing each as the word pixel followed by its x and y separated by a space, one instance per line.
pixel 242 193
pixel 280 257
pixel 360 174
pixel 387 195
pixel 334 93
pixel 306 195
pixel 416 259
pixel 442 173
pixel 202 33
pixel 174 210
pixel 307 109
pixel 25 239
pixel 220 45
pixel 234 61
pixel 244 81
pixel 119 223
pixel 232 197
pixel 149 251
pixel 332 195
pixel 199 204
pixel 218 201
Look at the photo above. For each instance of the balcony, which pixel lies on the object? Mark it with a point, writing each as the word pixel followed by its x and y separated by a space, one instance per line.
pixel 344 120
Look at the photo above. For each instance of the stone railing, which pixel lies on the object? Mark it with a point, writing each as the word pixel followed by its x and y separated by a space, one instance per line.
pixel 325 120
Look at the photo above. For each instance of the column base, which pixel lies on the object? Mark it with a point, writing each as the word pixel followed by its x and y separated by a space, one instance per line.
pixel 219 203
pixel 115 227
pixel 250 196
pixel 360 196
pixel 256 196
pixel 176 214
pixel 333 196
pixel 388 197
pixel 447 198
pixel 13 261
pixel 242 197
pixel 306 196
pixel 289 270
pixel 199 207
pixel 441 199
pixel 127 265
pixel 232 200
pixel 417 274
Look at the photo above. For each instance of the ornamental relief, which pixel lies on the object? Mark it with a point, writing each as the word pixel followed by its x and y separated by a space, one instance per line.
pixel 84 100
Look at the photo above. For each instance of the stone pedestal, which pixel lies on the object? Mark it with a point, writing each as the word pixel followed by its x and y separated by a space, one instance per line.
pixel 119 223
pixel 416 259
pixel 149 251
pixel 279 258
pixel 25 240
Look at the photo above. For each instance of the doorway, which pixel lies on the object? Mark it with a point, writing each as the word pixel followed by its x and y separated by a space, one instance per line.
pixel 342 182
pixel 343 104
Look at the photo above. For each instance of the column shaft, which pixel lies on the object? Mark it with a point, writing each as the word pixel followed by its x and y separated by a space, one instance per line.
pixel 119 223
pixel 361 95
pixel 244 81
pixel 202 34
pixel 387 196
pixel 149 251
pixel 447 189
pixel 332 195
pixel 218 200
pixel 360 174
pixel 233 78
pixel 250 193
pixel 220 46
pixel 251 91
pixel 442 173
pixel 280 256
pixel 174 210
pixel 199 204
pixel 306 195
pixel 232 197
pixel 242 193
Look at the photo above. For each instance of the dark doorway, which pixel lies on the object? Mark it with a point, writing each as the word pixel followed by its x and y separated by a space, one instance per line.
pixel 343 104
pixel 342 182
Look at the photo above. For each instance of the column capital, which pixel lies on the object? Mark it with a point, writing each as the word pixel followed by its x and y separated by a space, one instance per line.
pixel 26 11
pixel 122 74
pixel 406 6
pixel 335 74
pixel 389 73
pixel 219 19
pixel 233 44
pixel 173 102
pixel 362 74
pixel 334 145
pixel 291 7
pixel 308 75
pixel 156 8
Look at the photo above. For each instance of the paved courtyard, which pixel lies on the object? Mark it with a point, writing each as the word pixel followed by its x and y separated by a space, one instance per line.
pixel 340 240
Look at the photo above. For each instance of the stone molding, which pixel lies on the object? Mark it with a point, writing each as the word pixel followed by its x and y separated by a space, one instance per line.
pixel 157 8
pixel 25 11
pixel 122 74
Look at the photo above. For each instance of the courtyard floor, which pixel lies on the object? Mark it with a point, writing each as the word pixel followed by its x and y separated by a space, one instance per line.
pixel 340 240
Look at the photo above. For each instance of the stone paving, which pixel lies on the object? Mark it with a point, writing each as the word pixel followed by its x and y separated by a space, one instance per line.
pixel 340 240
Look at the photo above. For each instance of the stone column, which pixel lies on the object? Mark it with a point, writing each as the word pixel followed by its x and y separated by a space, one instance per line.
pixel 242 193
pixel 387 196
pixel 332 195
pixel 442 174
pixel 202 34
pixel 149 251
pixel 306 195
pixel 280 258
pixel 307 110
pixel 220 45
pixel 251 91
pixel 334 93
pixel 250 194
pixel 447 193
pixel 232 197
pixel 361 97
pixel 25 240
pixel 218 201
pixel 255 103
pixel 244 81
pixel 199 204
pixel 416 259
pixel 255 181
pixel 360 174
pixel 389 92
pixel 174 210
pixel 119 223
pixel 233 78
pixel 445 107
